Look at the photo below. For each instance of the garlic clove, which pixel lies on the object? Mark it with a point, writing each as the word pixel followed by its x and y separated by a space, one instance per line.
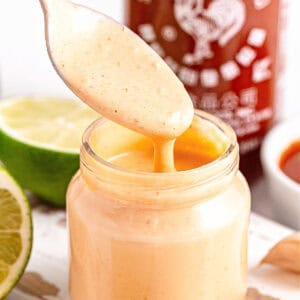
pixel 285 254
pixel 254 294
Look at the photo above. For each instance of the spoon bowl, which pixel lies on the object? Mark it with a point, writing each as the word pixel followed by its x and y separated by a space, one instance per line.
pixel 114 71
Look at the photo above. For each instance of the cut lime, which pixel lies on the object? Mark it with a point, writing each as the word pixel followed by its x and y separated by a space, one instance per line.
pixel 15 233
pixel 40 141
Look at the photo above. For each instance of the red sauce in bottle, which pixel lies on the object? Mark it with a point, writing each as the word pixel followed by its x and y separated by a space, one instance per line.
pixel 289 161
pixel 224 51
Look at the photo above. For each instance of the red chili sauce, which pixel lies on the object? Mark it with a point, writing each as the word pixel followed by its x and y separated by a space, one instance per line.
pixel 289 161
pixel 225 53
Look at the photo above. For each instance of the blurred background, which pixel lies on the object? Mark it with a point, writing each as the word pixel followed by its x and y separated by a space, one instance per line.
pixel 24 64
pixel 23 55
pixel 25 68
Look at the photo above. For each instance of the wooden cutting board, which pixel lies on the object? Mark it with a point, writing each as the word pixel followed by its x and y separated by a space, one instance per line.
pixel 46 275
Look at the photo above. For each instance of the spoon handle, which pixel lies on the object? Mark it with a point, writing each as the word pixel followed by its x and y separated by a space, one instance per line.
pixel 48 4
pixel 44 5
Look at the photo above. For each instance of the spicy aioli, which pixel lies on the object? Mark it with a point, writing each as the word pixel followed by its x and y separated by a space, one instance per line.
pixel 118 75
pixel 289 161
pixel 138 235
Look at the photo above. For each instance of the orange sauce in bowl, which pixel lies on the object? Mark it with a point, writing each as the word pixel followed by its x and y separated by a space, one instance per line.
pixel 289 161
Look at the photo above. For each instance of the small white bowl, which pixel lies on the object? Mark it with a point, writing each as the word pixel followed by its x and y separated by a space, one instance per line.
pixel 284 192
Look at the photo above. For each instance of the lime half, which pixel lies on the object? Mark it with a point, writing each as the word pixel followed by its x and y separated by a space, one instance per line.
pixel 40 140
pixel 15 232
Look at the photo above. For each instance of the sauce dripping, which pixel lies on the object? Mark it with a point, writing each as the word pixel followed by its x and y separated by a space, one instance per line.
pixel 289 161
pixel 118 75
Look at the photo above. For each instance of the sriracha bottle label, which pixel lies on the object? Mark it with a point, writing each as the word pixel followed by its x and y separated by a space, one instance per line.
pixel 224 51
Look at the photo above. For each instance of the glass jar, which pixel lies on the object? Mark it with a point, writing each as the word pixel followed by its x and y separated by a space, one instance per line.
pixel 167 236
pixel 224 51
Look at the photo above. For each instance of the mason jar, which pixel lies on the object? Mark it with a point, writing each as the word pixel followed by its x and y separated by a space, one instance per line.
pixel 138 235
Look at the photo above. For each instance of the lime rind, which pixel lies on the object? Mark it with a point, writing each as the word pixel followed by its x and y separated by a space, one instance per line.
pixel 45 172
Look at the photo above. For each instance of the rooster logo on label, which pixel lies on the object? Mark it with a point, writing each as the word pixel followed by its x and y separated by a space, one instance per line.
pixel 220 22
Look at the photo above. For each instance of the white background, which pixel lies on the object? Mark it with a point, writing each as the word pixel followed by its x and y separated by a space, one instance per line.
pixel 26 70
pixel 24 64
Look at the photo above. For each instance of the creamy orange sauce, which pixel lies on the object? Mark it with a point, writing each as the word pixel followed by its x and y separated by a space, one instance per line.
pixel 123 248
pixel 132 251
pixel 199 145
pixel 119 75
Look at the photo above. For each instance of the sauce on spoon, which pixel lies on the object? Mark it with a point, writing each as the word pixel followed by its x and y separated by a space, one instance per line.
pixel 119 75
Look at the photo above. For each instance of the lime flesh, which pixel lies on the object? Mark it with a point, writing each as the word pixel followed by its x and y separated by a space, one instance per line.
pixel 15 232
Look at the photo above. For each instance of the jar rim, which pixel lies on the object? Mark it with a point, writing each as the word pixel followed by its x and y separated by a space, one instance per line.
pixel 230 152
